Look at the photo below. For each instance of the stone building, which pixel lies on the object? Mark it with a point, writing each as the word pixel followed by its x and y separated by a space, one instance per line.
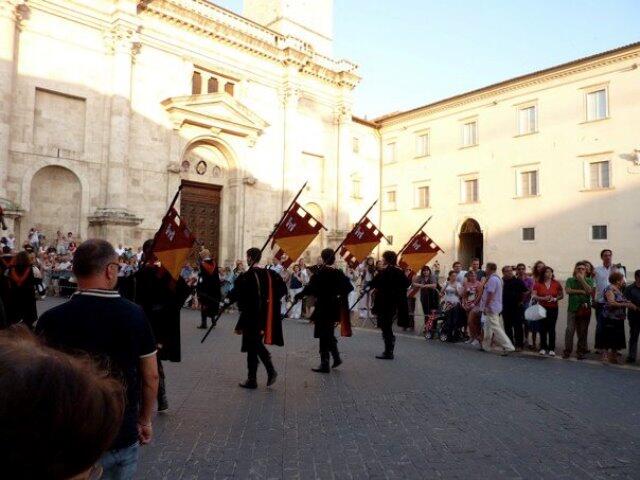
pixel 542 166
pixel 109 105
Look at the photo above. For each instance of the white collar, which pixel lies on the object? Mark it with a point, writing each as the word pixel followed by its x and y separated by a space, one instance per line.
pixel 98 292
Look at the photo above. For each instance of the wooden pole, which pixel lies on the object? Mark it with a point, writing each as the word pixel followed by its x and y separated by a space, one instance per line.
pixel 354 227
pixel 284 214
pixel 411 237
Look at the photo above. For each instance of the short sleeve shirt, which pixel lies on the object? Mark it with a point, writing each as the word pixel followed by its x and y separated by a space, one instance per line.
pixel 493 285
pixel 542 291
pixel 111 329
pixel 576 299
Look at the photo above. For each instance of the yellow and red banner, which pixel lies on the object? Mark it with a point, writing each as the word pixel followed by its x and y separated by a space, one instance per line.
pixel 418 252
pixel 360 242
pixel 173 243
pixel 294 234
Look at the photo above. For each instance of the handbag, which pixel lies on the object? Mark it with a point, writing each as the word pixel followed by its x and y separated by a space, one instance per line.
pixel 535 313
pixel 583 311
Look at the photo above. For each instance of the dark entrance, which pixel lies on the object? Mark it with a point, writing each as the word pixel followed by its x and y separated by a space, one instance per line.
pixel 200 208
pixel 471 242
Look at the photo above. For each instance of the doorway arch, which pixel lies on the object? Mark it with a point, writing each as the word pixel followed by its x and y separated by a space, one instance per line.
pixel 55 201
pixel 471 244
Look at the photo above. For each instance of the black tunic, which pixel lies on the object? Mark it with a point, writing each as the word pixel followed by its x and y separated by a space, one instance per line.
pixel 331 289
pixel 390 297
pixel 258 292
pixel 161 298
pixel 21 297
pixel 208 287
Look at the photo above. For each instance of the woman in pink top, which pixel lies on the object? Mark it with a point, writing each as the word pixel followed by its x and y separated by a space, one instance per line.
pixel 471 295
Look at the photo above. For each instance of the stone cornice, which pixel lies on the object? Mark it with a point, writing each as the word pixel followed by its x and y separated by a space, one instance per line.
pixel 512 85
pixel 208 19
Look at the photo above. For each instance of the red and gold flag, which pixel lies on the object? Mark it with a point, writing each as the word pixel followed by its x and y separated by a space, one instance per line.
pixel 418 252
pixel 173 242
pixel 294 234
pixel 360 242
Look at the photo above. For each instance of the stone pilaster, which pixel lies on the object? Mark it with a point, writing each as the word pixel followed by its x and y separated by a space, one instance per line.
pixel 291 147
pixel 344 164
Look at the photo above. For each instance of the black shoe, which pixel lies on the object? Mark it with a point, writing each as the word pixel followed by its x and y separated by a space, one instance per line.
pixel 337 361
pixel 630 360
pixel 202 327
pixel 271 377
pixel 163 405
pixel 251 384
pixel 385 356
pixel 322 369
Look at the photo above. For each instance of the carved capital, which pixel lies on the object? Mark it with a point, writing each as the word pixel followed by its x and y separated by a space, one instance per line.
pixel 13 10
pixel 122 37
pixel 342 113
pixel 290 94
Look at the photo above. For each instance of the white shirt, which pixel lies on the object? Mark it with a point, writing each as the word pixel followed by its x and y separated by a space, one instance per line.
pixel 119 251
pixel 602 280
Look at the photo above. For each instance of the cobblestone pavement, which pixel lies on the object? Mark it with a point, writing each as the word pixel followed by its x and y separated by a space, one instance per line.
pixel 437 411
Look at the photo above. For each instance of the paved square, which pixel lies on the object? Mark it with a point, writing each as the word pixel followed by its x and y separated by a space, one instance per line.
pixel 437 411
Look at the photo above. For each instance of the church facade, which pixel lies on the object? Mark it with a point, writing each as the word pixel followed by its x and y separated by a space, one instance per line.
pixel 108 106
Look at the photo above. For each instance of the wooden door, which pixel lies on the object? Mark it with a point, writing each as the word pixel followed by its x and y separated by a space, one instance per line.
pixel 200 208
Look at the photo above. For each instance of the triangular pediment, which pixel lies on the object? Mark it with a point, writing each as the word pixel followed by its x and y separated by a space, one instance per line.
pixel 218 111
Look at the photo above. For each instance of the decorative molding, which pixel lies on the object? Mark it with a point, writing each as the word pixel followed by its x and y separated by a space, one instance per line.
pixel 106 216
pixel 122 37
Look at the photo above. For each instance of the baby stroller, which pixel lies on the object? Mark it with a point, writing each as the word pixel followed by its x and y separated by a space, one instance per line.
pixel 444 324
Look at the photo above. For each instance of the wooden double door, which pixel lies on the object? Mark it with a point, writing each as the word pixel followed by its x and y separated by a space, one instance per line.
pixel 200 208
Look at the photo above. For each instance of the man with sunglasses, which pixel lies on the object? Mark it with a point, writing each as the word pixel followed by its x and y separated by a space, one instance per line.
pixel 98 321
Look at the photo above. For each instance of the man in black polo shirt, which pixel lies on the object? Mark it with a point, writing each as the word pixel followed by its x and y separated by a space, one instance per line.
pixel 98 321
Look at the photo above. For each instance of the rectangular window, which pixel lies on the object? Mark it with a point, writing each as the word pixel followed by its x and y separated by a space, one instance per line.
pixel 422 197
pixel 527 120
pixel 196 83
pixel 422 145
pixel 597 105
pixel 355 144
pixel 390 153
pixel 228 87
pixel 599 232
pixel 355 188
pixel 470 191
pixel 212 85
pixel 390 200
pixel 529 183
pixel 470 134
pixel 599 175
pixel 528 234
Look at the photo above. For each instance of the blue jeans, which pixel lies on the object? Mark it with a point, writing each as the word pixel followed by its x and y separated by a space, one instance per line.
pixel 120 464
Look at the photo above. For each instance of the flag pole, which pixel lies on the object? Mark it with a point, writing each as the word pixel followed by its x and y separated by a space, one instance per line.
pixel 417 232
pixel 335 251
pixel 155 236
pixel 284 214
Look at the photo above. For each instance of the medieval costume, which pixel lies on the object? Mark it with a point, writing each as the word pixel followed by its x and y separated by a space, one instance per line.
pixel 21 295
pixel 6 261
pixel 161 297
pixel 390 298
pixel 258 292
pixel 208 289
pixel 331 288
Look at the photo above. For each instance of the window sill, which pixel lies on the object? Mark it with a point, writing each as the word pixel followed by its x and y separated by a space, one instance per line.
pixel 524 197
pixel 422 208
pixel 597 120
pixel 389 209
pixel 604 189
pixel 426 155
pixel 465 147
pixel 527 241
pixel 469 203
pixel 528 134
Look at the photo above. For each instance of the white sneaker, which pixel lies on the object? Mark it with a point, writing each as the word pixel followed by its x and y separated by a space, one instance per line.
pixel 542 352
pixel 475 343
pixel 552 353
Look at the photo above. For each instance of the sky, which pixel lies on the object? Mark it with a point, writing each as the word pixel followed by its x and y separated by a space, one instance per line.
pixel 414 52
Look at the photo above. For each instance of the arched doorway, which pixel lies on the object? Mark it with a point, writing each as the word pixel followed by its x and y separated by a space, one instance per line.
pixel 471 242
pixel 55 202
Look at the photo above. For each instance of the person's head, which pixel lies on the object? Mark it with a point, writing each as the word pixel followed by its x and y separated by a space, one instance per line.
pixel 538 269
pixel 254 255
pixel 328 256
pixel 521 270
pixel 296 268
pixel 617 279
pixel 457 267
pixel 22 260
pixel 58 413
pixel 69 234
pixel 390 258
pixel 301 262
pixel 471 276
pixel 370 261
pixel 491 268
pixel 475 264
pixel 147 250
pixel 426 271
pixel 636 275
pixel 589 267
pixel 507 271
pixel 606 255
pixel 579 269
pixel 451 277
pixel 95 265
pixel 275 261
pixel 204 253
pixel 547 274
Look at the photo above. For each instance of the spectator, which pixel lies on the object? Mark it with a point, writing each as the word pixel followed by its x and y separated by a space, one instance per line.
pixel 537 272
pixel 632 293
pixel 614 312
pixel 425 281
pixel 120 250
pixel 436 271
pixel 21 297
pixel 580 289
pixel 529 327
pixel 513 294
pixel 295 286
pixel 491 305
pixel 460 274
pixel 602 273
pixel 475 267
pixel 97 320
pixel 548 292
pixel 450 297
pixel 58 414
pixel 471 295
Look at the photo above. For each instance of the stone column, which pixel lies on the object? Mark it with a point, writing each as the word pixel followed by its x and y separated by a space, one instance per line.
pixel 344 165
pixel 9 17
pixel 291 148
